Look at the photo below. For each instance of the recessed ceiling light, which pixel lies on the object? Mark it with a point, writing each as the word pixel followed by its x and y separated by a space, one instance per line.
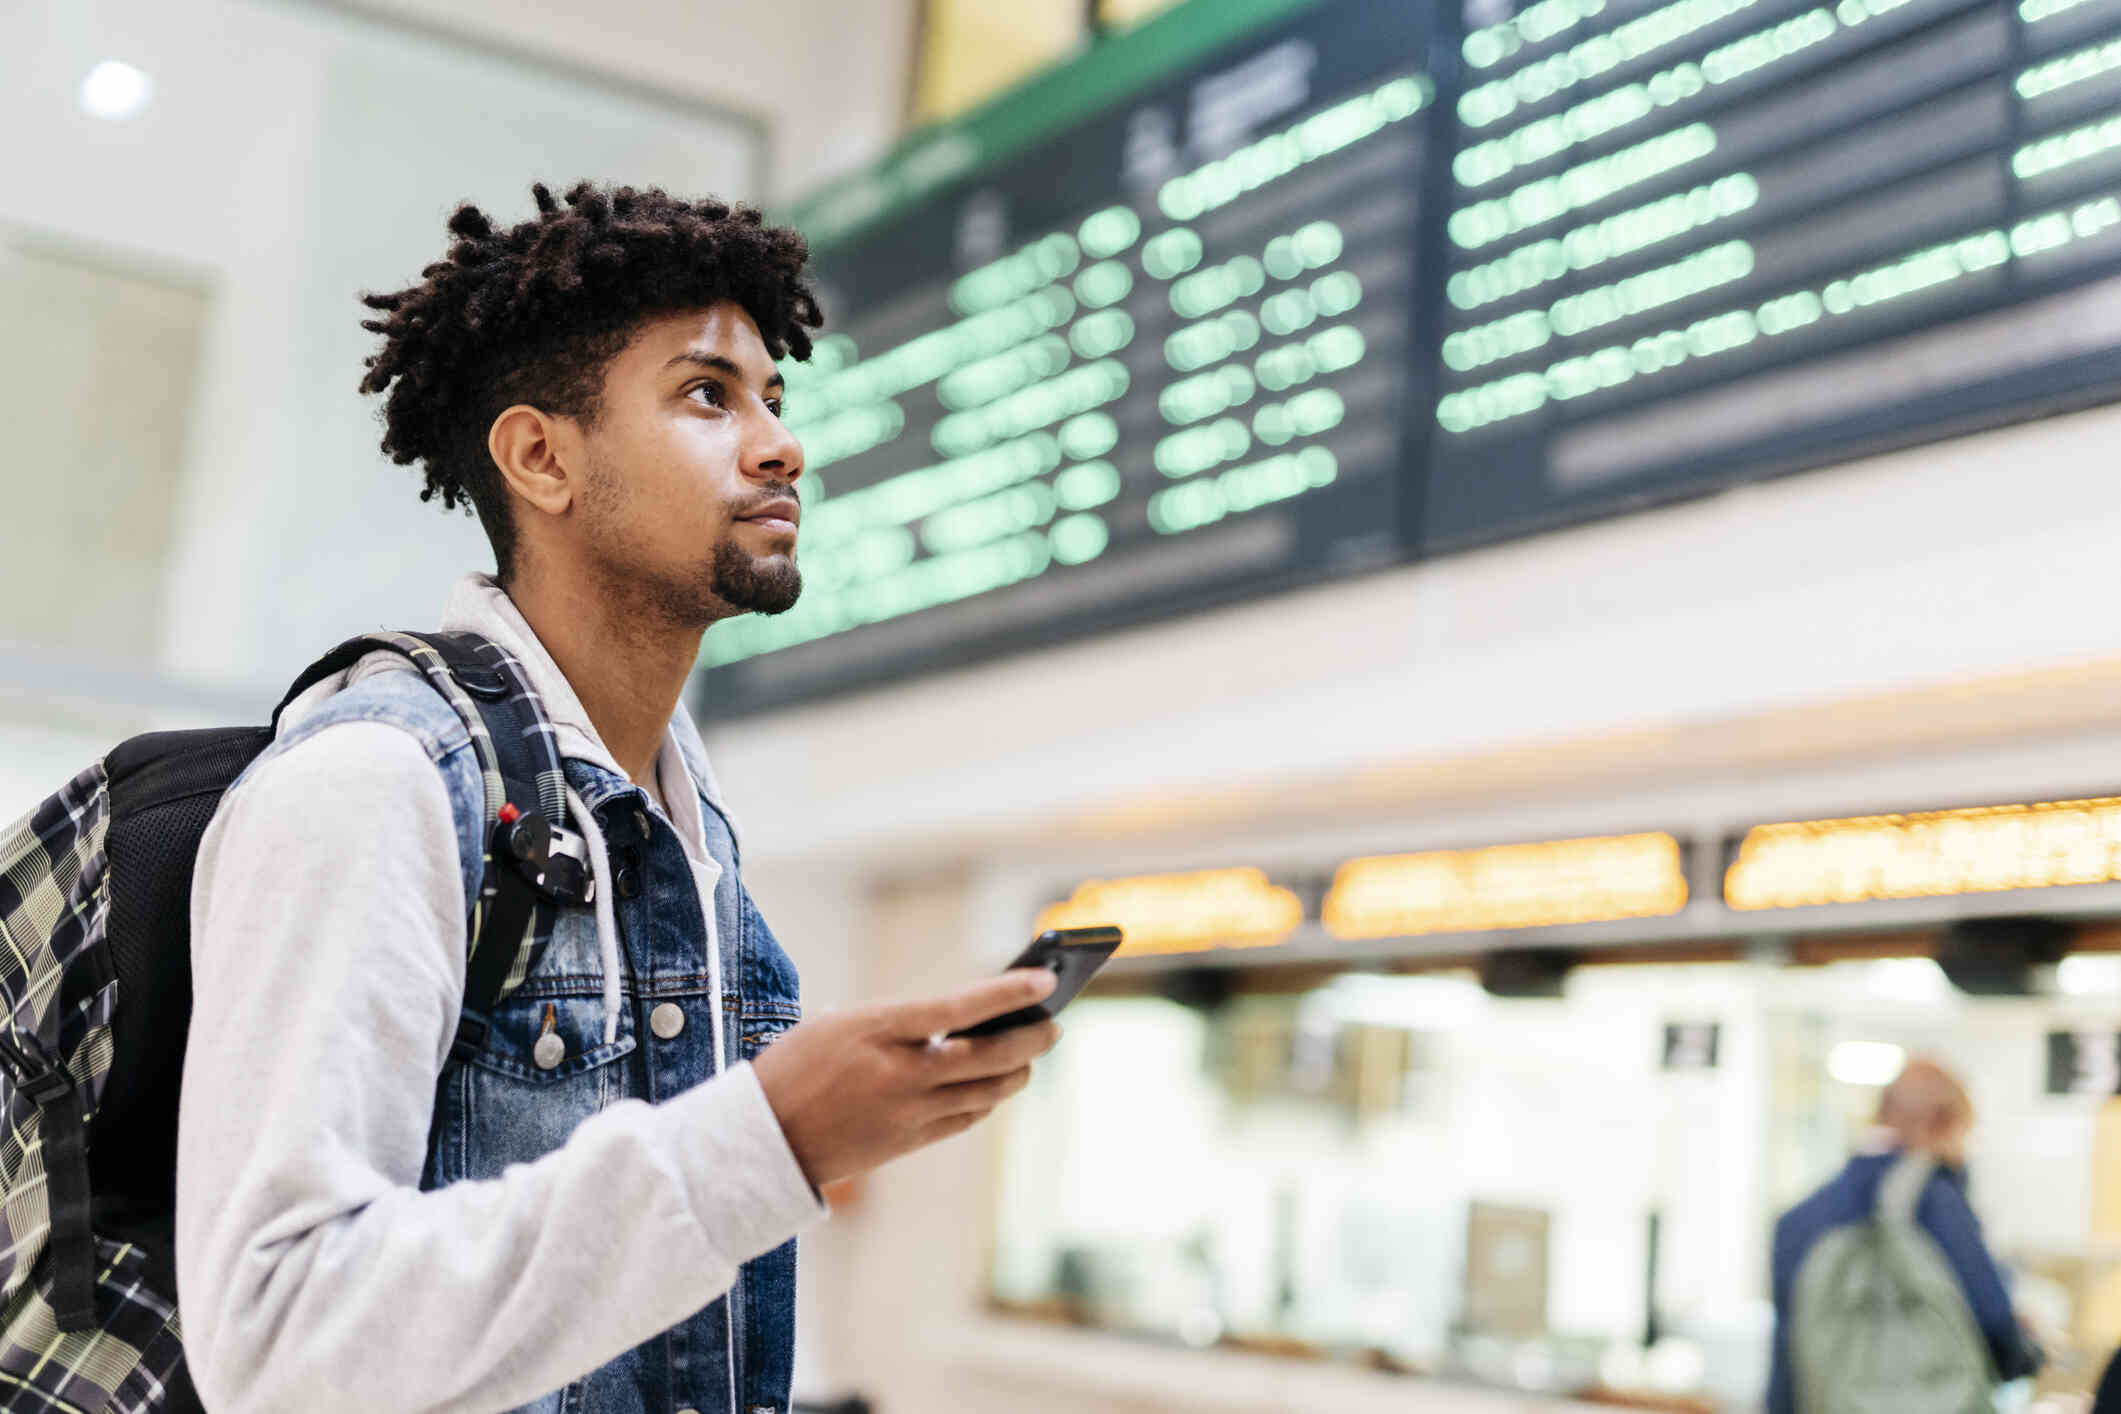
pixel 113 90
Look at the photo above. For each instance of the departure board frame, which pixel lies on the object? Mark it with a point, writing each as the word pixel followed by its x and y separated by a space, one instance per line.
pixel 1269 200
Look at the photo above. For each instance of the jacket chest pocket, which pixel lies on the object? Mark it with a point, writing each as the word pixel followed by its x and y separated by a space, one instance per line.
pixel 545 1067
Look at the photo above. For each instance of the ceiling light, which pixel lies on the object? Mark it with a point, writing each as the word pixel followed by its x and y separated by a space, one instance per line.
pixel 1865 1062
pixel 113 90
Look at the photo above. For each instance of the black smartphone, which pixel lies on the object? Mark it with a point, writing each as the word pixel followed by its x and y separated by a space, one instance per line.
pixel 1072 955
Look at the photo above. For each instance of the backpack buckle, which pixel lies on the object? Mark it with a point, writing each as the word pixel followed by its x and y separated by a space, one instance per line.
pixel 48 1087
pixel 32 1071
pixel 552 857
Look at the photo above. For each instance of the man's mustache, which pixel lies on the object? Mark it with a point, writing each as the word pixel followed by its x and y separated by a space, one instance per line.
pixel 776 491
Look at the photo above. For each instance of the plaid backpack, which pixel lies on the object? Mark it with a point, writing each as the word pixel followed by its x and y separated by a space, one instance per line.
pixel 95 999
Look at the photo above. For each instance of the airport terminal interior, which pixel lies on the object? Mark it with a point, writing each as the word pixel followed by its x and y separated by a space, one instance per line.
pixel 1552 565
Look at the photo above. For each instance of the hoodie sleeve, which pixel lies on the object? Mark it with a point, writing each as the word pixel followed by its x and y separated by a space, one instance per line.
pixel 313 1272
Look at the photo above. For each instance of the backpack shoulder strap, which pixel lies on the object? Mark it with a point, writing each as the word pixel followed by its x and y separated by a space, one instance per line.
pixel 1900 1190
pixel 489 690
pixel 531 858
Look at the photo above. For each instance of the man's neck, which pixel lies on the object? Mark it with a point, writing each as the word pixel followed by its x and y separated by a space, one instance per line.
pixel 627 668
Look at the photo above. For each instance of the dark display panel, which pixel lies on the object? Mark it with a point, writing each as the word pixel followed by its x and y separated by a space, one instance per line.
pixel 1159 363
pixel 1698 240
pixel 1382 281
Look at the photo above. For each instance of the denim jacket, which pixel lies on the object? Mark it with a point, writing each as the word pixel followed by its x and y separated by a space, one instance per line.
pixel 503 1108
pixel 700 986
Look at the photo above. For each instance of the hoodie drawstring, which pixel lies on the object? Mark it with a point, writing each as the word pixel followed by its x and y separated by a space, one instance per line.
pixel 607 920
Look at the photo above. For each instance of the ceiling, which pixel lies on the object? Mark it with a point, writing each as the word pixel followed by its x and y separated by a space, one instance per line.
pixel 828 77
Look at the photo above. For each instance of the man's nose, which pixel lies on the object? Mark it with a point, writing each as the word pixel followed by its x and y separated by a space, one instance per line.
pixel 775 452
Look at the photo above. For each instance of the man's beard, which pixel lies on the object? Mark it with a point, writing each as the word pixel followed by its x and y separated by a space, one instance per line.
pixel 698 596
pixel 754 585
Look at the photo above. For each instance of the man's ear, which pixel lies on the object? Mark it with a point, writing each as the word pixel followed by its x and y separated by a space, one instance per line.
pixel 537 456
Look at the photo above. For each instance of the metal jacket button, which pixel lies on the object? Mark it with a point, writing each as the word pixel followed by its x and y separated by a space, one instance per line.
pixel 667 1020
pixel 549 1051
pixel 628 881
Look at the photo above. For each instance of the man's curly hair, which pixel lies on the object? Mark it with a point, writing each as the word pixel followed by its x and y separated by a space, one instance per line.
pixel 534 312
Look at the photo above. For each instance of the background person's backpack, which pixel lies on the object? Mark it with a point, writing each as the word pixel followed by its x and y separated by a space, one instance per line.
pixel 1878 1321
pixel 95 999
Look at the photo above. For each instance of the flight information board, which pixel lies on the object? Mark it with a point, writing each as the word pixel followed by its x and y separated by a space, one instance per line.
pixel 1378 281
pixel 1699 240
pixel 1158 363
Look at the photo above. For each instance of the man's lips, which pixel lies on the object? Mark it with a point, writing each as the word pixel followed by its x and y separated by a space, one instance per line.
pixel 781 515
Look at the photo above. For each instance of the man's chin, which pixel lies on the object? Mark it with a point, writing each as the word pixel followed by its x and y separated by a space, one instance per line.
pixel 779 603
pixel 756 584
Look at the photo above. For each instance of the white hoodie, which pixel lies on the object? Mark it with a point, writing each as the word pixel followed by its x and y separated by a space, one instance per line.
pixel 328 958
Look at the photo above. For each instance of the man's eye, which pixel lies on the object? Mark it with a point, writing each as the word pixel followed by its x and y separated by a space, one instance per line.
pixel 710 393
pixel 774 406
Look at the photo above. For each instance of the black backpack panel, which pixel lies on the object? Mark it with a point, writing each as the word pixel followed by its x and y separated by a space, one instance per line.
pixel 164 789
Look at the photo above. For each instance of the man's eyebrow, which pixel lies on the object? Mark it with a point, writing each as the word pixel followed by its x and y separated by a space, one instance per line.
pixel 700 358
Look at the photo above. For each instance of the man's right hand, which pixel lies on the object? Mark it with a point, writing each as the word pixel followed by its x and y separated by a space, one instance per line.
pixel 855 1088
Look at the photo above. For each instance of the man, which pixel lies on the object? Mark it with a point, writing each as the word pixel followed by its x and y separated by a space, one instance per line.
pixel 596 1212
pixel 1924 1111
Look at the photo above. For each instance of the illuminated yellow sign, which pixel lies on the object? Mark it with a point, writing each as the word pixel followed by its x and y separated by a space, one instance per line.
pixel 1927 855
pixel 1168 913
pixel 1508 886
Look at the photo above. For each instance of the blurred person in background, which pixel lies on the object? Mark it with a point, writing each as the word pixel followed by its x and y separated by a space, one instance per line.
pixel 1926 1114
pixel 556 1226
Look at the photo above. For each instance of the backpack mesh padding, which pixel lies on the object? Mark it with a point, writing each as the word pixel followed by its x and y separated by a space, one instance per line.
pixel 164 789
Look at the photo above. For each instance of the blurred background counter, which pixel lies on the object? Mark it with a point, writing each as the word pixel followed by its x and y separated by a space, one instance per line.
pixel 1505 1096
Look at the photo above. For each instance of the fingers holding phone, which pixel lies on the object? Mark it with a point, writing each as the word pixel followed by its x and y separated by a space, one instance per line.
pixel 965 1059
pixel 856 1088
pixel 976 1004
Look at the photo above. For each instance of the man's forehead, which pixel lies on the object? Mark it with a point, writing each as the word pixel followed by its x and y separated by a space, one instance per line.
pixel 725 329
